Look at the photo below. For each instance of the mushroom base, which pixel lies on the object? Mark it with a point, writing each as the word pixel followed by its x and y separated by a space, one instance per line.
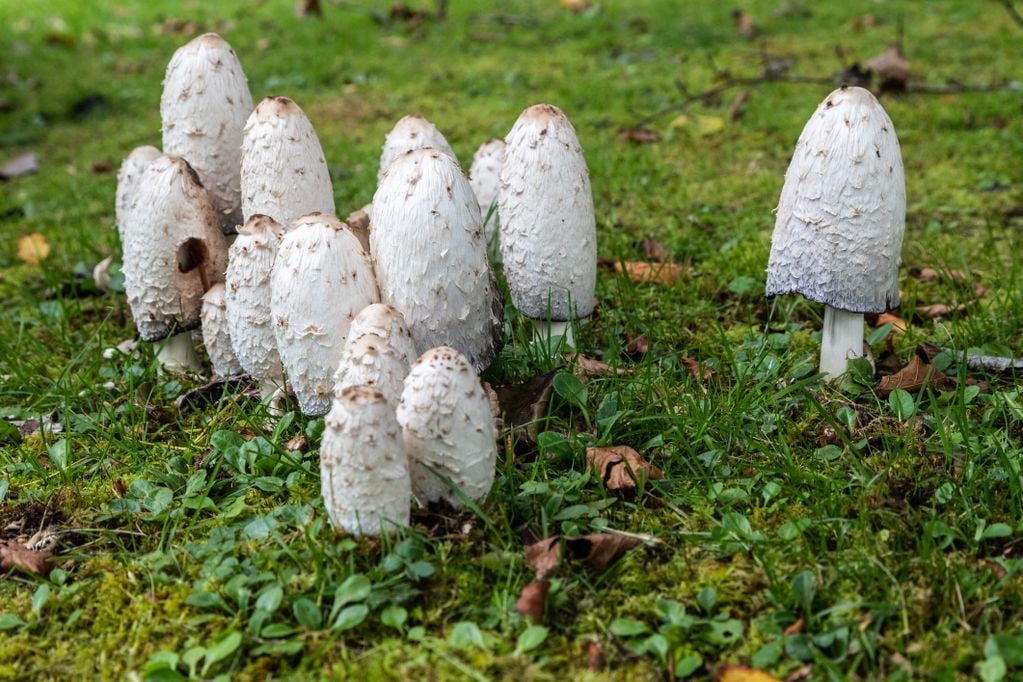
pixel 841 342
pixel 548 329
pixel 177 354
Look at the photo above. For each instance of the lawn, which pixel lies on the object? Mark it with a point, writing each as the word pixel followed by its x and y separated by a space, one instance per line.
pixel 810 530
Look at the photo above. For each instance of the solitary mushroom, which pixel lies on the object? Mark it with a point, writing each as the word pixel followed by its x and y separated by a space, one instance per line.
pixel 485 176
pixel 204 106
pixel 320 280
pixel 173 252
pixel 448 427
pixel 838 233
pixel 409 133
pixel 215 334
pixel 431 260
pixel 548 231
pixel 132 168
pixel 284 173
pixel 364 476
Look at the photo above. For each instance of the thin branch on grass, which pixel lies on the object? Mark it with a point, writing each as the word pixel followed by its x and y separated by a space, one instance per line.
pixel 1013 12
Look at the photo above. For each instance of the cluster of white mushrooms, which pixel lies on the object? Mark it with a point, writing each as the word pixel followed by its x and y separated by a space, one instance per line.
pixel 384 328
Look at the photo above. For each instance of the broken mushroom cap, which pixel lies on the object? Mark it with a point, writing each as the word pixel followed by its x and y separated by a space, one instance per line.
pixel 215 334
pixel 204 106
pixel 321 279
pixel 284 173
pixel 364 475
pixel 484 176
pixel 431 260
pixel 132 168
pixel 548 232
pixel 448 426
pixel 838 233
pixel 173 250
pixel 388 323
pixel 369 360
pixel 411 132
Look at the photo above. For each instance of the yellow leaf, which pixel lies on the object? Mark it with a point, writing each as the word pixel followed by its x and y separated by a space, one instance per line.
pixel 700 125
pixel 33 248
pixel 740 673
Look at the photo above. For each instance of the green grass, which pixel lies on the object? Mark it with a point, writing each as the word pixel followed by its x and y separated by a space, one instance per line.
pixel 896 542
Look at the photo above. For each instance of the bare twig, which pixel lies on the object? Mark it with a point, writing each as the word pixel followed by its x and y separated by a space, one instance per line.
pixel 1013 12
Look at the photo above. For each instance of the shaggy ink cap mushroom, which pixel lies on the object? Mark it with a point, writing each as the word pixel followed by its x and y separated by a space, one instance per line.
pixel 204 106
pixel 364 475
pixel 410 133
pixel 431 259
pixel 215 334
pixel 321 279
pixel 128 177
pixel 448 426
pixel 485 176
pixel 369 360
pixel 284 172
pixel 387 322
pixel 548 231
pixel 838 233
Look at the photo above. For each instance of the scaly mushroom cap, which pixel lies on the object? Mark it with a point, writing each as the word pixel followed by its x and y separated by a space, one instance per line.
pixel 364 474
pixel 448 426
pixel 370 360
pixel 548 232
pixel 388 323
pixel 320 280
pixel 485 177
pixel 838 233
pixel 204 106
pixel 249 321
pixel 215 334
pixel 132 168
pixel 284 172
pixel 411 132
pixel 173 249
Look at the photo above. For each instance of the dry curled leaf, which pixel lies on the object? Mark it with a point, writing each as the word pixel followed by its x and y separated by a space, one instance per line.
pixel 918 374
pixel 20 558
pixel 637 346
pixel 33 248
pixel 544 556
pixel 620 467
pixel 898 324
pixel 533 600
pixel 641 272
pixel 588 367
pixel 640 135
pixel 597 551
pixel 655 250
pixel 795 628
pixel 307 8
pixel 891 68
pixel 297 444
pixel 732 672
pixel 698 371
pixel 594 655
pixel 929 312
pixel 523 406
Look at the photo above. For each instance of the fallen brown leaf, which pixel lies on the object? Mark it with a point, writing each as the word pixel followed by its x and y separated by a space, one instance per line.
pixel 33 248
pixel 533 600
pixel 588 367
pixel 929 312
pixel 544 556
pixel 594 655
pixel 18 557
pixel 731 672
pixel 795 628
pixel 890 67
pixel 918 374
pixel 23 164
pixel 640 135
pixel 698 371
pixel 306 8
pixel 523 406
pixel 597 551
pixel 800 674
pixel 212 392
pixel 924 274
pixel 898 324
pixel 641 272
pixel 637 346
pixel 655 250
pixel 297 444
pixel 619 466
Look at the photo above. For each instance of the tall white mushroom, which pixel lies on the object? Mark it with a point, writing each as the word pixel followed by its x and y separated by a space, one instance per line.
pixel 215 334
pixel 364 476
pixel 838 233
pixel 409 133
pixel 320 280
pixel 173 252
pixel 431 260
pixel 132 168
pixel 204 106
pixel 485 178
pixel 548 231
pixel 448 426
pixel 247 293
pixel 284 173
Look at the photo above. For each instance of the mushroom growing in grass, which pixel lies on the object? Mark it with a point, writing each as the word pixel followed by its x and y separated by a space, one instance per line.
pixel 448 428
pixel 388 323
pixel 173 252
pixel 215 334
pixel 409 133
pixel 431 260
pixel 132 168
pixel 485 176
pixel 370 360
pixel 249 320
pixel 838 233
pixel 364 474
pixel 284 173
pixel 548 231
pixel 204 106
pixel 321 279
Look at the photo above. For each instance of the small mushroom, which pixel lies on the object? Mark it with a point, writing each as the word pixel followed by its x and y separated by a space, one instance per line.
pixel 548 231
pixel 411 132
pixel 173 252
pixel 320 280
pixel 284 173
pixel 484 176
pixel 204 106
pixel 215 334
pixel 369 360
pixel 364 474
pixel 388 323
pixel 360 222
pixel 838 232
pixel 448 427
pixel 132 168
pixel 249 320
pixel 431 260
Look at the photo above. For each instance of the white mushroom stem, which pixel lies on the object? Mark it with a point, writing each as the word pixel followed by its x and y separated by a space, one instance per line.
pixel 842 341
pixel 177 354
pixel 545 329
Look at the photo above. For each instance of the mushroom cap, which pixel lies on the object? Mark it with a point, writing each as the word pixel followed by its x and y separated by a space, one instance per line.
pixel 387 322
pixel 132 168
pixel 320 280
pixel 215 334
pixel 409 133
pixel 431 259
pixel 204 106
pixel 370 360
pixel 364 473
pixel 548 231
pixel 838 233
pixel 284 173
pixel 249 323
pixel 171 244
pixel 448 426
pixel 484 176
